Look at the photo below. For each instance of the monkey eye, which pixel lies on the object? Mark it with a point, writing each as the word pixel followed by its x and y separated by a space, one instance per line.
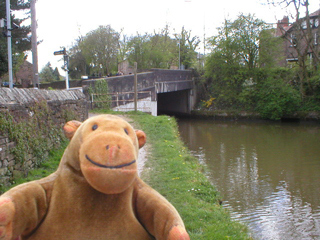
pixel 94 127
pixel 126 131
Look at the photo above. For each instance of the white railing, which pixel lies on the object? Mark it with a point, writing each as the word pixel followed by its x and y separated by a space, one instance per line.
pixel 124 101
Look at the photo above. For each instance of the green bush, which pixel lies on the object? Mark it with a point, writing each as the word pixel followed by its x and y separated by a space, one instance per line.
pixel 276 99
pixel 100 96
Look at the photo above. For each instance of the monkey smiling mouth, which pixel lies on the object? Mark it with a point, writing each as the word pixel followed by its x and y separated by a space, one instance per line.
pixel 111 167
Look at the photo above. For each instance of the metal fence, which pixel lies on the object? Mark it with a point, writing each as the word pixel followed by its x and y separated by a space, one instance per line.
pixel 122 101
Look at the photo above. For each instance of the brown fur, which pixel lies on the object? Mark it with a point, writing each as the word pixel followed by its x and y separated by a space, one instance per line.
pixel 94 194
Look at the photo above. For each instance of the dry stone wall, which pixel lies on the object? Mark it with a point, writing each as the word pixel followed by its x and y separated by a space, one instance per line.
pixel 20 105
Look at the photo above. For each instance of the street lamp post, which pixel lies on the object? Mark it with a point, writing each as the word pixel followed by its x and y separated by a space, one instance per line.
pixel 179 54
pixel 9 43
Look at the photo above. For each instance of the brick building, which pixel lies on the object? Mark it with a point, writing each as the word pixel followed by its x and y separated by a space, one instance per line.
pixel 301 38
pixel 23 77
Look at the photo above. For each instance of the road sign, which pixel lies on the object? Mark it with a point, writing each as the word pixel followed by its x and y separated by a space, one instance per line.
pixel 61 52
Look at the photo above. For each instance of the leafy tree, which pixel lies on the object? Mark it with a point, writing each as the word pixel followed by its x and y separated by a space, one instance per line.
pixel 246 31
pixel 188 45
pixel 56 74
pixel 139 50
pixel 223 80
pixel 46 74
pixel 234 58
pixel 270 49
pixel 224 43
pixel 163 50
pixel 100 48
pixel 240 40
pixel 78 65
pixel 21 39
pixel 123 48
pixel 157 50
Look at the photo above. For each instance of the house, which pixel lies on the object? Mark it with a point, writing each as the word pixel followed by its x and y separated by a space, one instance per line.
pixel 301 38
pixel 23 77
pixel 125 68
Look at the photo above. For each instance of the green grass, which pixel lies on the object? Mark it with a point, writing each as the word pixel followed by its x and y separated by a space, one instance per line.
pixel 178 176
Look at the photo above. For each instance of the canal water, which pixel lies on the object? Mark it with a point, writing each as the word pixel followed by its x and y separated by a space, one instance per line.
pixel 267 173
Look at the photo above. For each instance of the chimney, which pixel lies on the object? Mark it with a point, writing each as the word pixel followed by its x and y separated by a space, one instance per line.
pixel 281 25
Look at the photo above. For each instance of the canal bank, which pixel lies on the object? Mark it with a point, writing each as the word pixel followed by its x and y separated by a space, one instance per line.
pixel 250 116
pixel 178 176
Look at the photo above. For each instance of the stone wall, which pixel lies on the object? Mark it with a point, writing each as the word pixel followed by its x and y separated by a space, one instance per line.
pixel 20 103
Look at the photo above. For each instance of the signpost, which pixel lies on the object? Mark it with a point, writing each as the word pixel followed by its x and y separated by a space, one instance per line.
pixel 66 64
pixel 61 52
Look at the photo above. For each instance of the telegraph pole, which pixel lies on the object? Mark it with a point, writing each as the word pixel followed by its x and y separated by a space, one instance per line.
pixel 34 44
pixel 9 44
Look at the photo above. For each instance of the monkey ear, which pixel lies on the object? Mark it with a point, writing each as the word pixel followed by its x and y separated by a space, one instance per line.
pixel 70 128
pixel 142 138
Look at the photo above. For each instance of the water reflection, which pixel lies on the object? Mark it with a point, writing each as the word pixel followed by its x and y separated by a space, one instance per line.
pixel 268 174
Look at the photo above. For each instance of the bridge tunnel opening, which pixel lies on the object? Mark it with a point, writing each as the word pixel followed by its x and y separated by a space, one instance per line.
pixel 173 103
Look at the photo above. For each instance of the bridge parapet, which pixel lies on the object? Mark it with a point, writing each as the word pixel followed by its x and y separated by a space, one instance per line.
pixel 166 75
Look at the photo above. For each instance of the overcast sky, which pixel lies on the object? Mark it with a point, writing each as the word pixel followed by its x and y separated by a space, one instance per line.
pixel 60 22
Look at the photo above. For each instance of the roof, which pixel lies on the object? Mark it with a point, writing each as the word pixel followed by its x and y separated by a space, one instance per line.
pixel 316 13
pixel 288 28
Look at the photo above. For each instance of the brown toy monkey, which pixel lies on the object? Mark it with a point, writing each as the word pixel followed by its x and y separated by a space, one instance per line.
pixel 94 194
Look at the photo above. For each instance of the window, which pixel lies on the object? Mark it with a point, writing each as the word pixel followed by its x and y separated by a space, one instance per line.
pixel 293 40
pixel 316 22
pixel 304 24
pixel 311 23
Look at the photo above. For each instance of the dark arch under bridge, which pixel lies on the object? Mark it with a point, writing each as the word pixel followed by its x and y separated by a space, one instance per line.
pixel 167 91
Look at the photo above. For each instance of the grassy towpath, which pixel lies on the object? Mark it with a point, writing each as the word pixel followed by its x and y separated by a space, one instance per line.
pixel 178 176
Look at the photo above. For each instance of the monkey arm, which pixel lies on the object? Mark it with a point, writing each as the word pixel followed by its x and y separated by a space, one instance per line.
pixel 157 215
pixel 22 208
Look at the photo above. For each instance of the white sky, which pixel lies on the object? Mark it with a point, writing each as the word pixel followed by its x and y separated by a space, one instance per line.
pixel 60 22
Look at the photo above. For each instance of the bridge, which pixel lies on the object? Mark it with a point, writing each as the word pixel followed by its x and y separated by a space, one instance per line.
pixel 160 91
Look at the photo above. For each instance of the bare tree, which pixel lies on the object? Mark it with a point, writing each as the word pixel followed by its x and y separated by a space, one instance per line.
pixel 303 38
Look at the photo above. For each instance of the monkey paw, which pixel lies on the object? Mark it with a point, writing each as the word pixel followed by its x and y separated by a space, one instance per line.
pixel 7 211
pixel 178 233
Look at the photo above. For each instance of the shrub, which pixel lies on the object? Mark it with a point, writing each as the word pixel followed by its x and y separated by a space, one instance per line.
pixel 276 99
pixel 100 95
